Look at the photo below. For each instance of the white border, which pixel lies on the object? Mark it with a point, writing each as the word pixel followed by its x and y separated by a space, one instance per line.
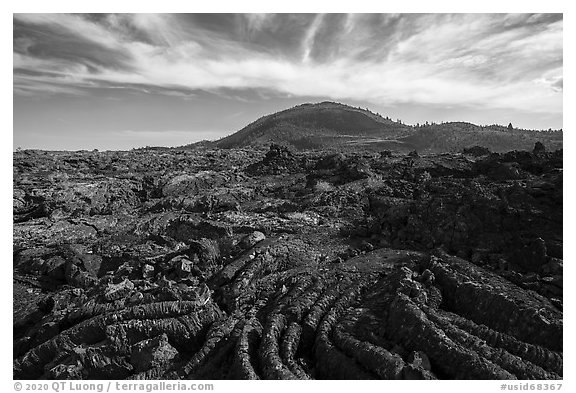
pixel 439 6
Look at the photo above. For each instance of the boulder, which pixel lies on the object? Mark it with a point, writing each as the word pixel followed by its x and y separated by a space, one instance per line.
pixel 419 359
pixel 147 271
pixel 80 256
pixel 151 353
pixel 207 250
pixel 55 268
pixel 251 240
pixel 182 266
pixel 331 162
pixel 191 184
pixel 278 160
pixel 118 291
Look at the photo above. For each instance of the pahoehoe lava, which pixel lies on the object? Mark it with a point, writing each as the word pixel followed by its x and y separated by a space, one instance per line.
pixel 208 263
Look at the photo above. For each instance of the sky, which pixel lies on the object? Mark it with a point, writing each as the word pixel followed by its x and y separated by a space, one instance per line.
pixel 119 81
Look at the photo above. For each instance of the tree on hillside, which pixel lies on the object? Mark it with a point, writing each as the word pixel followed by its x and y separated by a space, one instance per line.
pixel 510 127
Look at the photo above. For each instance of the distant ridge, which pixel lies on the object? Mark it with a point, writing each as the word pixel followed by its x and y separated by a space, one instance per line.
pixel 334 125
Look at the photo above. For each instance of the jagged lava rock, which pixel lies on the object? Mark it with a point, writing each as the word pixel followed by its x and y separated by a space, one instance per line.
pixel 153 352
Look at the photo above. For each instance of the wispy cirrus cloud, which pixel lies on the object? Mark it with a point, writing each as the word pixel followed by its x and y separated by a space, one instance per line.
pixel 468 60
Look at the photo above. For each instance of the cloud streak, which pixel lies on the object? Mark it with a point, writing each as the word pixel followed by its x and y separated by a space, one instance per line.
pixel 480 60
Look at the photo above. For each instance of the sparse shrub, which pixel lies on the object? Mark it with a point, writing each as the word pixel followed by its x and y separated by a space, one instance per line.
pixel 323 186
pixel 424 177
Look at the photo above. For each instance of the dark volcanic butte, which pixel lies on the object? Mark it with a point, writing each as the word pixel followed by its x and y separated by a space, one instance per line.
pixel 315 125
pixel 342 127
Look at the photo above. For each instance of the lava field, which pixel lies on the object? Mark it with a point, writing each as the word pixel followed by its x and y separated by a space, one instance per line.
pixel 208 263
